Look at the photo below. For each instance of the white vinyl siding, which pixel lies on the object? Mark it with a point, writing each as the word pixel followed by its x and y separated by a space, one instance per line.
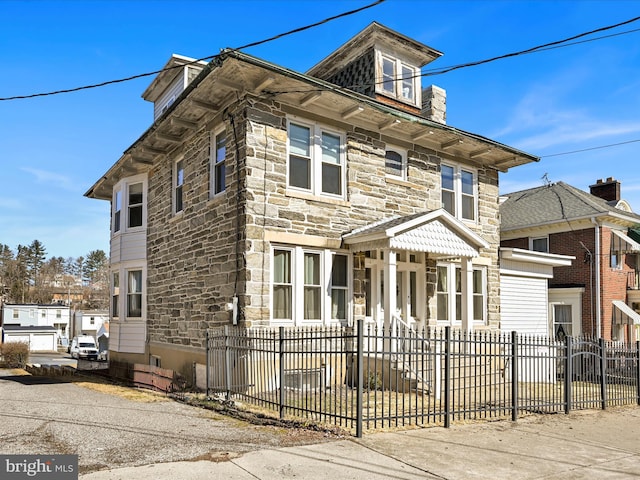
pixel 127 337
pixel 169 96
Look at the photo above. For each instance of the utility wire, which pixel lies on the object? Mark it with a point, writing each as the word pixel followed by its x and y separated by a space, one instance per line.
pixel 591 148
pixel 210 57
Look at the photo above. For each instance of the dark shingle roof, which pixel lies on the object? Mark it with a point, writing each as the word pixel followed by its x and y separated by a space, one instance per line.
pixel 553 203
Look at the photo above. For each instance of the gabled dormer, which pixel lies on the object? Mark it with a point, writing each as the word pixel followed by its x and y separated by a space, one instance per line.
pixel 178 72
pixel 380 63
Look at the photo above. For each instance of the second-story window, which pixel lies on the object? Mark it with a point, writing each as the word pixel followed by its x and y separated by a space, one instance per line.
pixel 135 205
pixel 316 160
pixel 218 167
pixel 117 207
pixel 459 193
pixel 178 186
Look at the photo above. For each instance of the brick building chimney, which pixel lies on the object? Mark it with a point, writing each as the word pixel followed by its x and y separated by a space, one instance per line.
pixel 608 190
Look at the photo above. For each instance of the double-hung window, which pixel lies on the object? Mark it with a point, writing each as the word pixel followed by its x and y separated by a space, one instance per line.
pixel 134 203
pixel 309 286
pixel 218 167
pixel 117 208
pixel 449 294
pixel 178 186
pixel 459 192
pixel 134 293
pixel 396 163
pixel 316 160
pixel 398 79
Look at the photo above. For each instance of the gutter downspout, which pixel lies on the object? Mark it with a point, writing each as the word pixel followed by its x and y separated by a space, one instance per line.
pixel 597 255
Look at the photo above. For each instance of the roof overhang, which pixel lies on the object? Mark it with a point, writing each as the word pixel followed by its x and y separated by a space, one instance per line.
pixel 540 258
pixel 624 312
pixel 436 233
pixel 234 73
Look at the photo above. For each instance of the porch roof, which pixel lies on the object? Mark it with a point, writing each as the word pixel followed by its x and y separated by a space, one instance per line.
pixel 436 232
pixel 627 311
pixel 621 242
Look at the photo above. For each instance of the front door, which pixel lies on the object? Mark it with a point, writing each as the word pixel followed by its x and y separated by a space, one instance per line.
pixel 410 288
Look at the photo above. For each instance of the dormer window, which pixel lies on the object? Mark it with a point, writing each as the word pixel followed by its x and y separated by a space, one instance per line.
pixel 397 79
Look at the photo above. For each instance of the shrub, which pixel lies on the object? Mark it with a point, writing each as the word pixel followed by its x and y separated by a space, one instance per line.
pixel 15 354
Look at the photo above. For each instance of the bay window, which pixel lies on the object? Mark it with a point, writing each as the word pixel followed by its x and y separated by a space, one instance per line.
pixel 134 202
pixel 134 293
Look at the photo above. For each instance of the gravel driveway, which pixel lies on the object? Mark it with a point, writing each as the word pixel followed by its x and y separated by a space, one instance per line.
pixel 54 416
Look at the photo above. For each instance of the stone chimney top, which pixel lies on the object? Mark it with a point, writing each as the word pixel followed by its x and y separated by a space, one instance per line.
pixel 434 104
pixel 608 189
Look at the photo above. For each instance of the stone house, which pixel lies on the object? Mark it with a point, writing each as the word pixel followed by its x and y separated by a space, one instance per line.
pixel 599 293
pixel 261 196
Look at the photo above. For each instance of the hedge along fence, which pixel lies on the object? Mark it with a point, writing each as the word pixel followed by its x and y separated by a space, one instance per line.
pixel 14 354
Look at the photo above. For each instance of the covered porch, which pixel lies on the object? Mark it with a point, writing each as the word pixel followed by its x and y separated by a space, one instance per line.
pixel 398 271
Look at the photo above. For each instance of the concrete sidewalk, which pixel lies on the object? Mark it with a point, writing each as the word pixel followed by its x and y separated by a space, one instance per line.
pixel 582 445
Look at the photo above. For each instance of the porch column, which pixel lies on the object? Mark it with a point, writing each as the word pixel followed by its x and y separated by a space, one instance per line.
pixel 466 280
pixel 390 275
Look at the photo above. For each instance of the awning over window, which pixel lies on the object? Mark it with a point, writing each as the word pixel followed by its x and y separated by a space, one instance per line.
pixel 624 314
pixel 623 243
pixel 437 233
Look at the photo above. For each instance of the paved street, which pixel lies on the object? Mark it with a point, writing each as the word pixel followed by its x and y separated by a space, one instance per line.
pixel 122 434
pixel 52 358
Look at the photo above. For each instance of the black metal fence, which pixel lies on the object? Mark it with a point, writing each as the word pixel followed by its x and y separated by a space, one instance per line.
pixel 365 377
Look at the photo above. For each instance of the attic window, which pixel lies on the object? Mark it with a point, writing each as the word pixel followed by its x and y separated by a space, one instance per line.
pixel 397 79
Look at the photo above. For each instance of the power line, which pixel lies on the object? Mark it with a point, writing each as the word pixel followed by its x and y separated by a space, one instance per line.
pixel 210 57
pixel 590 148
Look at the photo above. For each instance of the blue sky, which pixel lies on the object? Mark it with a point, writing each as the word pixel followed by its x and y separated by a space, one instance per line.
pixel 54 148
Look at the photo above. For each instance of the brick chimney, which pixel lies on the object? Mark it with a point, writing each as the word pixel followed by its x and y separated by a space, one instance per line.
pixel 608 190
pixel 434 104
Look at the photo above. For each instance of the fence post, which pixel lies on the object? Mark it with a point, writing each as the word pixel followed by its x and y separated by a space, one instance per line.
pixel 281 372
pixel 360 377
pixel 227 361
pixel 638 370
pixel 514 375
pixel 208 362
pixel 568 373
pixel 603 373
pixel 447 376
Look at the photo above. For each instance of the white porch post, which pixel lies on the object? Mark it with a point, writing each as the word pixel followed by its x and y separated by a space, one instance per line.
pixel 467 293
pixel 390 273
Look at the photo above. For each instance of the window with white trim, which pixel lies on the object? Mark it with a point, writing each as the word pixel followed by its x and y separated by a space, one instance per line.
pixel 459 192
pixel 117 208
pixel 134 205
pixel 217 162
pixel 309 286
pixel 396 163
pixel 539 244
pixel 449 293
pixel 178 186
pixel 316 160
pixel 134 293
pixel 398 79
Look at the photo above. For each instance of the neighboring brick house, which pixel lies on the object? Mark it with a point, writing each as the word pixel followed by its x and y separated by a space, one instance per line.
pixel 266 197
pixel 599 293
